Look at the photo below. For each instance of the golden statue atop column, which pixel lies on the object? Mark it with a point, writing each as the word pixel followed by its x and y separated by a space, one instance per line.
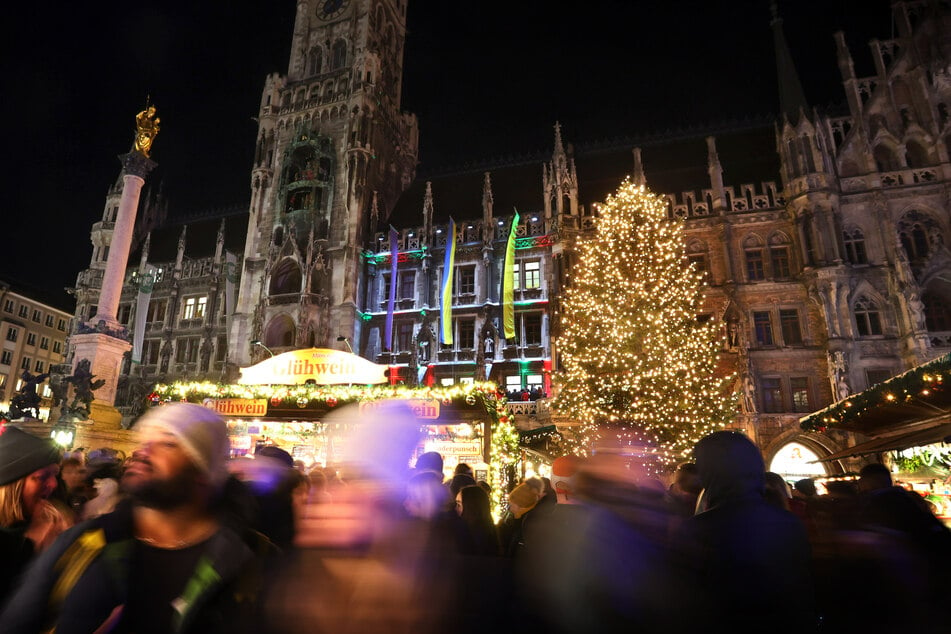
pixel 147 128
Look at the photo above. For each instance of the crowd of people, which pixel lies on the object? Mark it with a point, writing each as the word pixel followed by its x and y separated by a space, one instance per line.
pixel 178 537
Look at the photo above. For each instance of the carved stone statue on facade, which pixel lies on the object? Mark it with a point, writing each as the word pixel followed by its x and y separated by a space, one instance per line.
pixel 838 375
pixel 146 129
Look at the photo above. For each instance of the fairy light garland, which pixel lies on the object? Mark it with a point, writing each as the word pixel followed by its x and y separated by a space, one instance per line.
pixel 926 382
pixel 638 367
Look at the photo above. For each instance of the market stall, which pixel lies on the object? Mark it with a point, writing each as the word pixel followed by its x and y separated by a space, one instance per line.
pixel 284 400
pixel 906 419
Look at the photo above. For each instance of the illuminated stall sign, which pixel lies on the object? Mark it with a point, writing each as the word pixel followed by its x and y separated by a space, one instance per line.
pixel 426 408
pixel 320 366
pixel 455 448
pixel 237 406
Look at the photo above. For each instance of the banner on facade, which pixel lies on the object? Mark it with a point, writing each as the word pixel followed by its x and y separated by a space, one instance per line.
pixel 146 283
pixel 391 300
pixel 445 306
pixel 508 283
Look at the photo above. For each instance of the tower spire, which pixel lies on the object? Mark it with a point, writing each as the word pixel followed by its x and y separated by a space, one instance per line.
pixel 792 99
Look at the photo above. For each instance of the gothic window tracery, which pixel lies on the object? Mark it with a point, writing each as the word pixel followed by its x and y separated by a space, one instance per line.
pixel 919 234
pixel 854 241
pixel 937 312
pixel 755 265
pixel 779 255
pixel 338 55
pixel 315 61
pixel 868 318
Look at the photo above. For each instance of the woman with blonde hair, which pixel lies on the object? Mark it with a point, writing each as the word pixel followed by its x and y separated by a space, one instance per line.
pixel 29 522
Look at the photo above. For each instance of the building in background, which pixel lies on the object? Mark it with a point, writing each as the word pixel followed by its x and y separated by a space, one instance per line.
pixel 34 334
pixel 824 232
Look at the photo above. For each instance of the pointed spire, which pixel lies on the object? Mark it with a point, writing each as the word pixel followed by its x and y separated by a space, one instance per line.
pixel 143 261
pixel 792 99
pixel 220 241
pixel 375 211
pixel 638 179
pixel 428 210
pixel 487 202
pixel 181 248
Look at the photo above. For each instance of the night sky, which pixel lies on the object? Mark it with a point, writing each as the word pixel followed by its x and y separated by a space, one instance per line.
pixel 486 79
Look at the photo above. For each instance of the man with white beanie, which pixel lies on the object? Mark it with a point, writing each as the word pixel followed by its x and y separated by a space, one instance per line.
pixel 166 560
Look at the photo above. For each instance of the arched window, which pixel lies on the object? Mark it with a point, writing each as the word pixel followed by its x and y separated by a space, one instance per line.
pixel 868 319
pixel 286 278
pixel 937 313
pixel 755 266
pixel 697 255
pixel 339 55
pixel 315 61
pixel 854 241
pixel 916 155
pixel 913 231
pixel 280 332
pixel 779 254
pixel 886 159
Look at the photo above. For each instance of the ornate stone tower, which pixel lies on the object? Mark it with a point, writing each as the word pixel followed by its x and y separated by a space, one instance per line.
pixel 334 152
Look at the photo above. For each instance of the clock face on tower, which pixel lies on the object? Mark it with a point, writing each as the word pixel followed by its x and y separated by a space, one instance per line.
pixel 329 9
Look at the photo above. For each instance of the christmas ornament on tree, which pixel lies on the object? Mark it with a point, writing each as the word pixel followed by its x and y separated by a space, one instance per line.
pixel 638 366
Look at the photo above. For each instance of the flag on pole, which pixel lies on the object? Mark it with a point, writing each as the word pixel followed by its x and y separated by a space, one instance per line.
pixel 508 283
pixel 391 304
pixel 445 314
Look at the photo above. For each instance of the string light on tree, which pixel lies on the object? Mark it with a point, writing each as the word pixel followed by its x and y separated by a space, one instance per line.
pixel 638 367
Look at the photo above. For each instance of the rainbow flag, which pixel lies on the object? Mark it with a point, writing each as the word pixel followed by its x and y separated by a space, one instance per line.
pixel 447 271
pixel 391 305
pixel 508 283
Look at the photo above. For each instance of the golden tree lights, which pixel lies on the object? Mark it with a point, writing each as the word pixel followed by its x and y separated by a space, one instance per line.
pixel 637 366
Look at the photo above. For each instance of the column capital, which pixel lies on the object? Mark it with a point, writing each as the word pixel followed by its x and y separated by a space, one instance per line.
pixel 137 164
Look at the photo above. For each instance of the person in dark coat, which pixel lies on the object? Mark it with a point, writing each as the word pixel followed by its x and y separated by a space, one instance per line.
pixel 752 559
pixel 29 522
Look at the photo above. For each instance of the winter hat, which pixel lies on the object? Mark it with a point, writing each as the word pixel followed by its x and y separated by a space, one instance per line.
pixel 563 471
pixel 524 497
pixel 270 451
pixel 201 431
pixel 21 454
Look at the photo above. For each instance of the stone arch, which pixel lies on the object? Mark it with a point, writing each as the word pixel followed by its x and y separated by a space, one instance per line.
pixel 919 234
pixel 819 444
pixel 917 154
pixel 886 157
pixel 286 278
pixel 280 332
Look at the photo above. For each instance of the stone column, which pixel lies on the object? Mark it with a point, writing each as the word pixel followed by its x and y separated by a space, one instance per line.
pixel 136 167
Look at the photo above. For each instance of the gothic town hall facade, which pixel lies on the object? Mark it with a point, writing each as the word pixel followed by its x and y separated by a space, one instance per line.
pixel 829 270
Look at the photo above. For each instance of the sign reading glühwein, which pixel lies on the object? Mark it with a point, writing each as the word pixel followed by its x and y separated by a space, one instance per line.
pixel 321 366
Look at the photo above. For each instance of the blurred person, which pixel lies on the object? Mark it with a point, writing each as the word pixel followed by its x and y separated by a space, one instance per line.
pixel 464 469
pixel 684 490
pixel 597 563
pixel 400 571
pixel 29 522
pixel 167 559
pixel 749 557
pixel 274 485
pixel 319 489
pixel 474 507
pixel 103 471
pixel 74 491
pixel 430 461
pixel 521 500
pixel 777 490
pixel 457 482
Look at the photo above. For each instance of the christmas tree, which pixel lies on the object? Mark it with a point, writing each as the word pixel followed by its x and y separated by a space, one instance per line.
pixel 637 363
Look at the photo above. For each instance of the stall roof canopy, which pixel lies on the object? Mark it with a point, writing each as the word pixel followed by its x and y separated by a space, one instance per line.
pixel 908 410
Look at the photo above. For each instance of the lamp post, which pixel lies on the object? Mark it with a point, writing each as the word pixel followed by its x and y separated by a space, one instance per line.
pixel 344 339
pixel 257 342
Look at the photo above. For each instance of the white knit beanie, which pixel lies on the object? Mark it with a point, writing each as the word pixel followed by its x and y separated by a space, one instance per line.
pixel 201 431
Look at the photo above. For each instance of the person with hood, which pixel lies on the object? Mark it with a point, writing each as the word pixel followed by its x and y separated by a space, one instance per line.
pixel 752 559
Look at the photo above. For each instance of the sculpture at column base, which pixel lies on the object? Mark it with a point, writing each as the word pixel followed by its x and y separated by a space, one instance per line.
pixel 83 388
pixel 118 331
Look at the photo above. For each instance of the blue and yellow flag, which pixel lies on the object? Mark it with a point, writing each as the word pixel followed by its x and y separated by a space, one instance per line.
pixel 508 283
pixel 447 270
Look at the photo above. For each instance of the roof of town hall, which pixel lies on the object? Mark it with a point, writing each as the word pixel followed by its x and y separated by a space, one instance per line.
pixel 673 161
